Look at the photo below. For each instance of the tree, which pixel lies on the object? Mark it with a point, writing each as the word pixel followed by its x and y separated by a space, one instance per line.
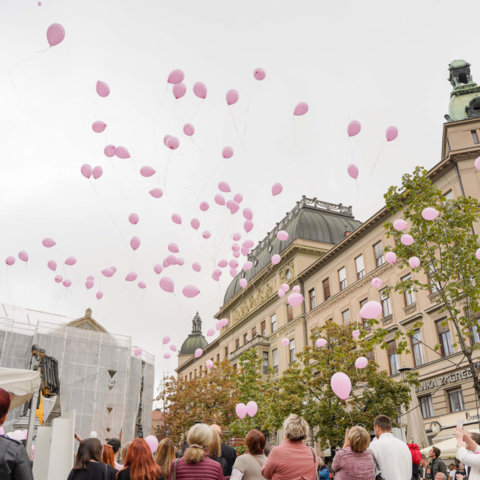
pixel 305 389
pixel 446 248
pixel 209 399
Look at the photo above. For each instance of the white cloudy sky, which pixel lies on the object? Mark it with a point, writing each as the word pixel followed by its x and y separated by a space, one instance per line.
pixel 381 62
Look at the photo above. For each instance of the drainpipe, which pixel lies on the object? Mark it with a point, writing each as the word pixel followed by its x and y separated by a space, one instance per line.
pixel 304 315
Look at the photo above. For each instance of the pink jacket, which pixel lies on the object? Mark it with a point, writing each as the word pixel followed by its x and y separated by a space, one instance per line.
pixel 291 461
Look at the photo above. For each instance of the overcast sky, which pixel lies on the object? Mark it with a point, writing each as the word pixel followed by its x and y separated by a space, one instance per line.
pixel 380 62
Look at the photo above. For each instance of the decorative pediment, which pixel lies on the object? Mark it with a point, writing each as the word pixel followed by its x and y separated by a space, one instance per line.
pixel 87 323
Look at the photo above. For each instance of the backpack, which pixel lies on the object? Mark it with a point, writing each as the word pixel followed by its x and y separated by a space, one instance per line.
pixel 416 455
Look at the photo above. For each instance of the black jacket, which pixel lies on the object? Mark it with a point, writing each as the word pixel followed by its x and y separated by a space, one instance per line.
pixel 230 455
pixel 435 466
pixel 14 461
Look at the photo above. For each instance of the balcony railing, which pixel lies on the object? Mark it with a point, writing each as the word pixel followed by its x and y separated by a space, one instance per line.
pixel 254 342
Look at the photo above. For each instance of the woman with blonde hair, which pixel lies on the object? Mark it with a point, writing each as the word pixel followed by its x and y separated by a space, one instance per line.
pixel 354 461
pixel 292 458
pixel 196 463
pixel 215 451
pixel 165 456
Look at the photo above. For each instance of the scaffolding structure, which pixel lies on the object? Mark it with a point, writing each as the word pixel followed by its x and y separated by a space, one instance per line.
pixel 100 377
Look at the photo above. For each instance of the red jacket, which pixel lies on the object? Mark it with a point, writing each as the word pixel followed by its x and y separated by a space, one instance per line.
pixel 416 455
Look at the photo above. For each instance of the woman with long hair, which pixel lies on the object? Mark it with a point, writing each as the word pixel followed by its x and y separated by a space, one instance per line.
pixel 195 463
pixel 138 463
pixel 88 462
pixel 165 456
pixel 108 456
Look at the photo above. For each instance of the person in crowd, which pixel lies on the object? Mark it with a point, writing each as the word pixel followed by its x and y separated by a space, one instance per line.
pixel 164 456
pixel 215 452
pixel 268 446
pixel 440 476
pixel 249 466
pixel 451 471
pixel 468 453
pixel 435 465
pixel 195 463
pixel 391 455
pixel 354 461
pixel 228 453
pixel 292 458
pixel 138 463
pixel 124 452
pixel 423 468
pixel 108 456
pixel 416 459
pixel 14 462
pixel 88 462
pixel 460 472
pixel 116 445
pixel 323 470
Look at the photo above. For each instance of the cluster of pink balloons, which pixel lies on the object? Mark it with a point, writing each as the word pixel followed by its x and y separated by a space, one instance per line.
pixel 249 409
pixel 87 171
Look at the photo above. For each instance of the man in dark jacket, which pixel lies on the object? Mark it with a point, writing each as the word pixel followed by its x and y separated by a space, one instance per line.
pixel 228 453
pixel 14 462
pixel 435 465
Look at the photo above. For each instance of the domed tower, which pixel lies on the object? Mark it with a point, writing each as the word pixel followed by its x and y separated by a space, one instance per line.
pixel 193 341
pixel 465 95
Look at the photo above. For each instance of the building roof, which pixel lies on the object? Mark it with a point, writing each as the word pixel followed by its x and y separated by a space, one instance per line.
pixel 87 322
pixel 195 339
pixel 310 219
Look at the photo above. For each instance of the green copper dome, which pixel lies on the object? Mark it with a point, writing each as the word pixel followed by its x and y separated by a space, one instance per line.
pixel 465 95
pixel 195 339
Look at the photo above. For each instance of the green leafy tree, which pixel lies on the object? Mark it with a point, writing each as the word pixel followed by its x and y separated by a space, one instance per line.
pixel 446 248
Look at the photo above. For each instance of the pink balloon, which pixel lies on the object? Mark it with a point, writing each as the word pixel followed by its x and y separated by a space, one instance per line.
pixel 131 277
pixel 198 353
pixel 391 133
pixel 67 283
pixel 142 285
pixel 240 410
pixel 179 90
pixel 173 247
pixel 285 287
pixel 200 89
pixel 133 218
pixel 232 206
pixel 188 129
pixel 70 261
pixel 165 339
pixel 138 351
pixel 97 172
pixel 259 73
pixel 10 261
pixel 247 266
pixel 195 223
pixel 414 262
pixel 390 257
pixel 23 256
pixel 233 263
pixel 167 355
pixel 233 272
pixel 407 239
pixel 300 109
pixel 352 170
pixel 341 385
pixel 102 89
pixel 219 199
pixel 52 265
pixel 227 152
pixel 376 282
pixel 89 284
pixel 204 206
pixel 356 334
pixel 176 76
pixel 296 289
pixel 247 213
pixel 477 163
pixel 109 150
pixel 58 278
pixel 276 259
pixel 251 408
pixel 99 126
pixel 430 213
pixel 173 347
pixel 158 269
pixel 55 34
pixel 176 218
pixel 370 310
pixel 167 285
pixel 243 282
pixel 321 342
pixel 238 198
pixel 147 171
pixel 282 235
pixel 400 225
pixel 134 243
pixel 224 187
pixel 196 266
pixel 277 188
pixel 236 254
pixel 172 142
pixel 477 254
pixel 248 243
pixel 122 152
pixel 99 295
pixel 86 170
pixel 232 97
pixel 209 364
pixel 224 263
pixel 285 341
pixel 353 128
pixel 48 242
pixel 156 192
pixel 206 234
pixel 107 272
pixel 280 293
pixel 152 443
pixel 361 362
pixel 295 299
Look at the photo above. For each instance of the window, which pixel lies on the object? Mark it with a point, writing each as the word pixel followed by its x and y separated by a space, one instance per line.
pixel 288 274
pixel 342 278
pixel 311 298
pixel 275 360
pixel 237 343
pixel 360 266
pixel 445 338
pixel 417 347
pixel 434 286
pixel 378 253
pixel 254 332
pixel 226 353
pixel 263 328
pixel 195 373
pixel 218 357
pixel 476 332
pixel 426 405
pixel 474 136
pixel 245 338
pixel 455 399
pixel 190 375
pixel 449 195
pixel 291 350
pixel 393 357
pixel 386 305
pixel 326 288
pixel 289 313
pixel 200 371
pixel 235 368
pixel 273 319
pixel 346 316
pixel 265 362
pixel 408 295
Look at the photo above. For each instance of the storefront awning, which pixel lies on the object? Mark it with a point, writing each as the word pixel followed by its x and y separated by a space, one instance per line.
pixel 22 384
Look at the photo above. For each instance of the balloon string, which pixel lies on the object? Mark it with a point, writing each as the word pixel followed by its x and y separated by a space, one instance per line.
pixel 10 72
pixel 367 391
pixel 236 129
pixel 376 160
pixel 165 174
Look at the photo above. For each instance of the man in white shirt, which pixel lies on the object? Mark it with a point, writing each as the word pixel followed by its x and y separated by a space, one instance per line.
pixel 392 456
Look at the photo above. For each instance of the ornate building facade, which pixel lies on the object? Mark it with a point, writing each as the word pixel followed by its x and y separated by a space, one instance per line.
pixel 333 258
